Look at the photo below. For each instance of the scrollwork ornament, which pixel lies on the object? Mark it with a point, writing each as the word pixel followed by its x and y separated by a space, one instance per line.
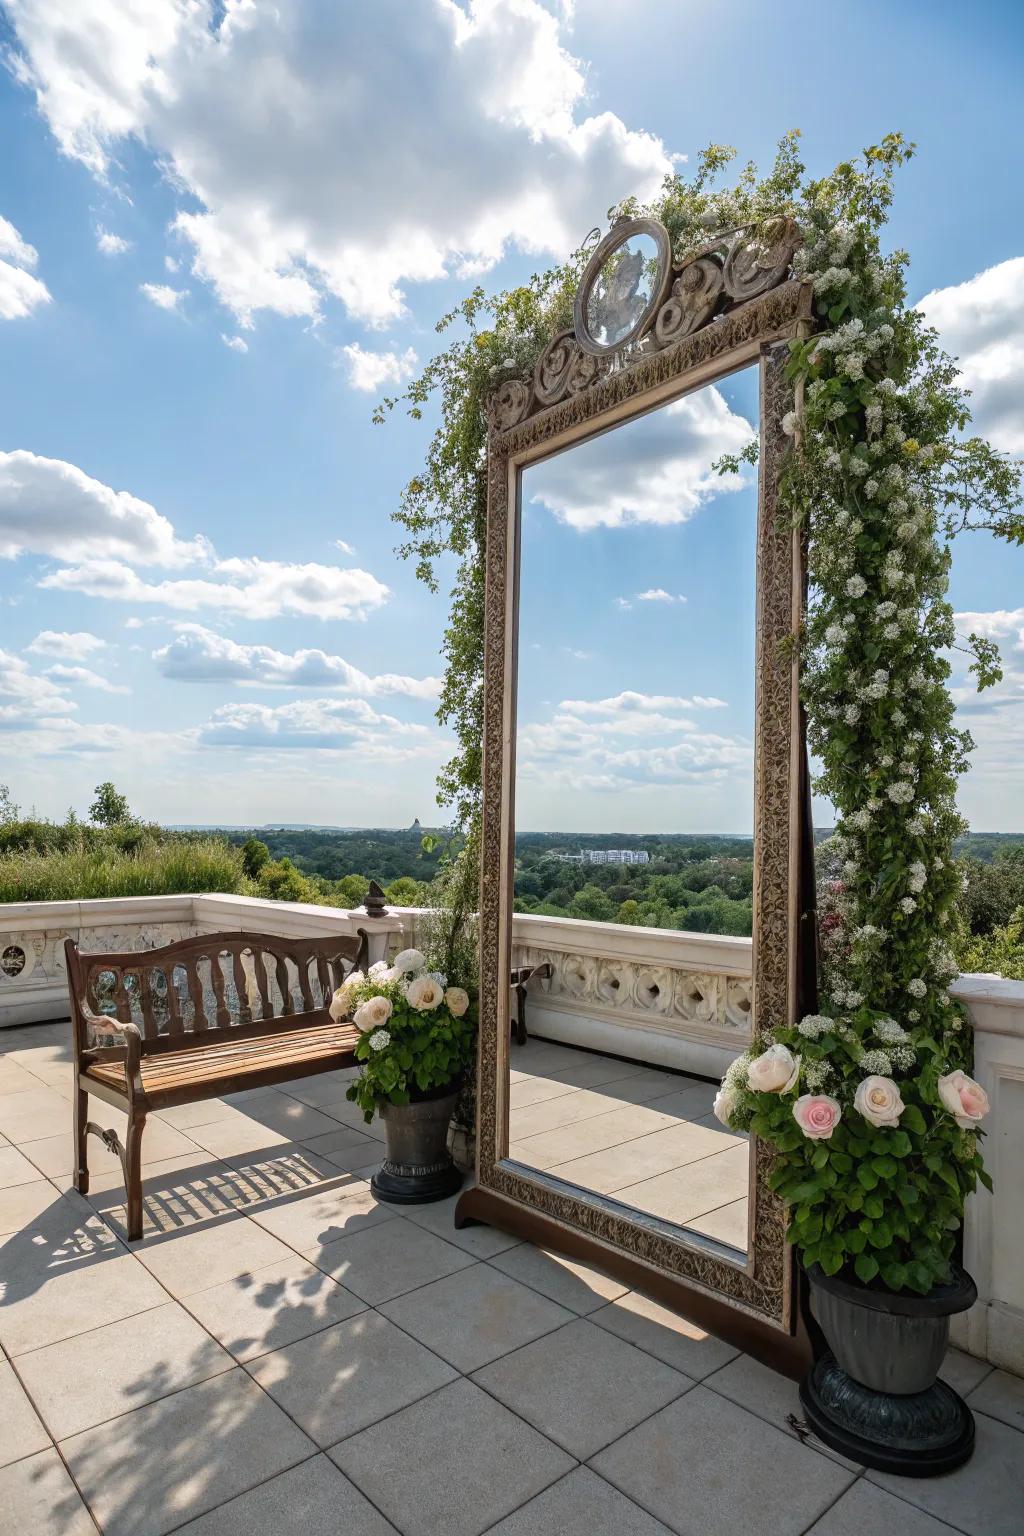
pixel 509 404
pixel 760 260
pixel 551 374
pixel 692 302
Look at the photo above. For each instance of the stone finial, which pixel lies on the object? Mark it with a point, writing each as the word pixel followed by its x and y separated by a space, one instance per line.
pixel 373 902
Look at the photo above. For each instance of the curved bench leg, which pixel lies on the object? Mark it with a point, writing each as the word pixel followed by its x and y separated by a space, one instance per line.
pixel 81 1140
pixel 133 1175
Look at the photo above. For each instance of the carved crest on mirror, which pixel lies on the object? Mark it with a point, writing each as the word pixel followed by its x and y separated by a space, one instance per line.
pixel 634 299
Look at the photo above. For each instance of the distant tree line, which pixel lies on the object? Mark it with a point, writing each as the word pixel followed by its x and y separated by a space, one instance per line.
pixel 693 882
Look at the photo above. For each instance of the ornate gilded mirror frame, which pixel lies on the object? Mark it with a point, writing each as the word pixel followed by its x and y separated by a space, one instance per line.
pixel 707 328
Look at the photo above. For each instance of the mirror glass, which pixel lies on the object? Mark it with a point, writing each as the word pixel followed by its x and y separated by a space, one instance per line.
pixel 634 810
pixel 622 290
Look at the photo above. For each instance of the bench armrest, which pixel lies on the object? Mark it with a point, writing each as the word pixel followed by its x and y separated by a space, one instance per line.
pixel 130 1053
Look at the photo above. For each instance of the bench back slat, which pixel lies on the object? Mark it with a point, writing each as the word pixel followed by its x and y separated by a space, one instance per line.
pixel 165 990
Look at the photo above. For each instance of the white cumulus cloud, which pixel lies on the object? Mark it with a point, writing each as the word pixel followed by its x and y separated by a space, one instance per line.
pixel 163 296
pixel 981 322
pixel 656 469
pixel 199 655
pixel 369 370
pixel 392 144
pixel 20 290
pixel 49 507
pixel 251 588
pixel 334 725
pixel 235 343
pixel 111 244
pixel 73 646
pixel 84 677
pixel 100 536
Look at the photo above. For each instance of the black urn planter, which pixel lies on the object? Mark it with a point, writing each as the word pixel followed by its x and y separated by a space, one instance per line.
pixel 418 1167
pixel 874 1396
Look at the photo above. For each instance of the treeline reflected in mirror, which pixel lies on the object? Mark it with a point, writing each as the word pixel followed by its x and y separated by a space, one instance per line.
pixel 634 804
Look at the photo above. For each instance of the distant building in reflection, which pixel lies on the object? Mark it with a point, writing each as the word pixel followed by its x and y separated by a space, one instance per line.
pixel 605 856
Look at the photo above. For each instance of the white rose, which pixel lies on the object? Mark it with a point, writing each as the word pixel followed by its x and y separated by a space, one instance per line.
pixel 878 1100
pixel 377 969
pixel 423 993
pixel 342 999
pixel 373 1013
pixel 456 1001
pixel 774 1071
pixel 725 1105
pixel 965 1099
pixel 409 960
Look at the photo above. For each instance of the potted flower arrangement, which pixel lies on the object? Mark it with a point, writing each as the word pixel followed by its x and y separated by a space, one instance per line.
pixel 416 1042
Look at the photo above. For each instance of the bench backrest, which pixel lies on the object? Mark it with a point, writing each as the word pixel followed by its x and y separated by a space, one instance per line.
pixel 250 982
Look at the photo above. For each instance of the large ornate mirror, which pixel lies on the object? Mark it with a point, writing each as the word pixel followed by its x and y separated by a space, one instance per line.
pixel 641 685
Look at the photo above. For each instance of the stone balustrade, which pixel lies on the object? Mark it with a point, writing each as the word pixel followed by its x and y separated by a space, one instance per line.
pixel 33 982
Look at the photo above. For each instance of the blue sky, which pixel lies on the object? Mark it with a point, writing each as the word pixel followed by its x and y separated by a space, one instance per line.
pixel 227 229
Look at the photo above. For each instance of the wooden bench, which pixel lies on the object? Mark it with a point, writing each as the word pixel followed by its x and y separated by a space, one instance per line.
pixel 206 1016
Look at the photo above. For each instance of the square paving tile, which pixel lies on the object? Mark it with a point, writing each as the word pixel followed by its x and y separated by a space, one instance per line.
pixel 665 1334
pixel 34 1113
pixel 153 1469
pixel 673 1146
pixel 202 1257
pixel 707 1468
pixel 581 1501
pixel 280 1112
pixel 726 1224
pixel 314 1499
pixel 109 1371
pixel 37 1498
pixel 1001 1396
pixel 267 1308
pixel 476 1316
pixel 772 1397
pixel 582 1386
pixel 439 1217
pixel 963 1372
pixel 25 1203
pixel 15 1168
pixel 983 1498
pixel 236 1134
pixel 309 1221
pixel 54 1155
pixel 572 1285
pixel 73 1300
pixel 707 1184
pixel 289 1169
pixel 22 1433
pixel 389 1259
pixel 864 1510
pixel 177 1194
pixel 454 1463
pixel 349 1376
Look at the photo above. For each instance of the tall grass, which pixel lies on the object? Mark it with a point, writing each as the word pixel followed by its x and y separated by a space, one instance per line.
pixel 80 872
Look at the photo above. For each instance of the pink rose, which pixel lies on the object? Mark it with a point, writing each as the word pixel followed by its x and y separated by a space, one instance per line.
pixel 817 1115
pixel 965 1099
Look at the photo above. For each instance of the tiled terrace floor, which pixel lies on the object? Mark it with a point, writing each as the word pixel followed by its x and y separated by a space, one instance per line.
pixel 283 1355
pixel 629 1131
